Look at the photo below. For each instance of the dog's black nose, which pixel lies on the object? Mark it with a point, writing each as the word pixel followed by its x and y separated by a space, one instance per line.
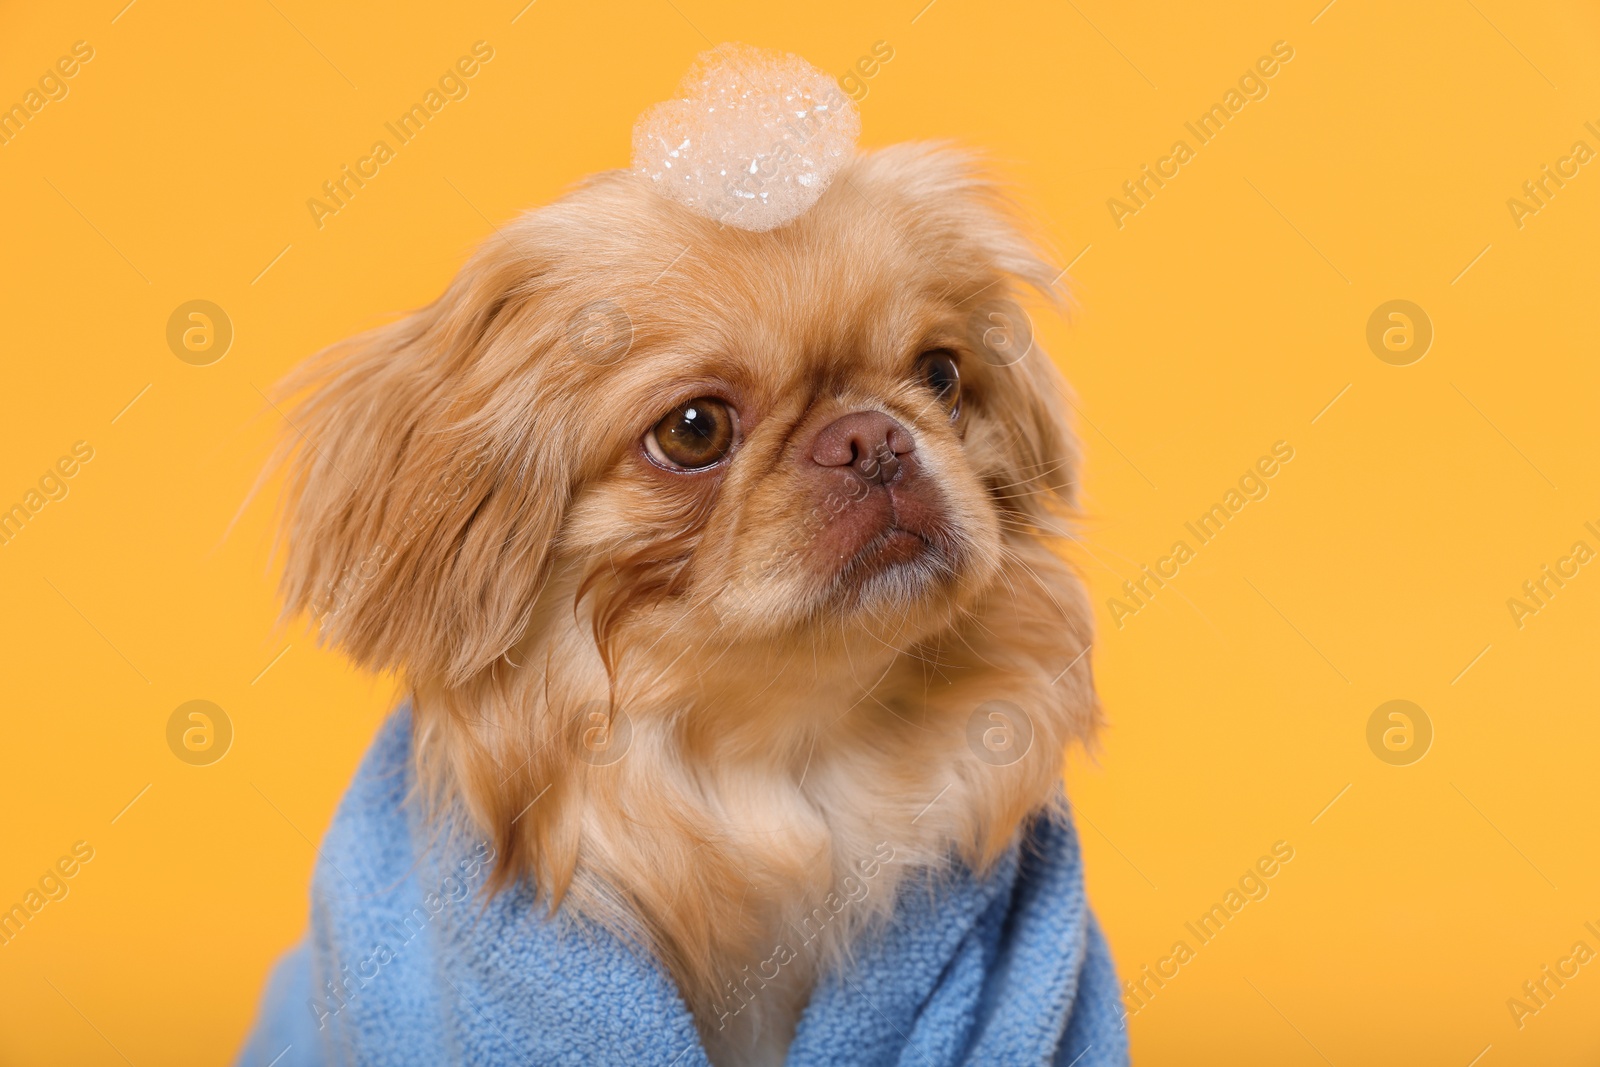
pixel 869 441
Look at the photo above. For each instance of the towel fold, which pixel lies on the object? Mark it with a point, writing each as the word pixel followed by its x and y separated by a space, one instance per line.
pixel 405 964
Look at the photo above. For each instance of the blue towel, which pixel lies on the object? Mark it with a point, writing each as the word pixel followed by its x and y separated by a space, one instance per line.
pixel 406 964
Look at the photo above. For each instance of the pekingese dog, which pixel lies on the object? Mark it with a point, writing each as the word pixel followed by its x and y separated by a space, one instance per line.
pixel 697 549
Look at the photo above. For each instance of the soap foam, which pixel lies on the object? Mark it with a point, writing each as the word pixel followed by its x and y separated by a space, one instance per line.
pixel 754 139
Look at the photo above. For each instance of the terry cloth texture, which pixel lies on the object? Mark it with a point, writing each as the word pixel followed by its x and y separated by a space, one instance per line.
pixel 405 964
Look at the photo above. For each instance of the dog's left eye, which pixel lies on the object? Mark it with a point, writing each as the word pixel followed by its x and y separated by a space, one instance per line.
pixel 693 436
pixel 939 372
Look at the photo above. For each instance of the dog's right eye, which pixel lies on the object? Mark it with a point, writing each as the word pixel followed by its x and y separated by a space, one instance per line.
pixel 693 436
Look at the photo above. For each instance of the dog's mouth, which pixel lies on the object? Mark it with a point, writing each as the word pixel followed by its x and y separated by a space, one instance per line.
pixel 893 547
pixel 893 552
pixel 896 570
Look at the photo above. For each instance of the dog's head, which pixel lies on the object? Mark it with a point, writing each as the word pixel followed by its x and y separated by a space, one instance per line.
pixel 818 436
pixel 788 499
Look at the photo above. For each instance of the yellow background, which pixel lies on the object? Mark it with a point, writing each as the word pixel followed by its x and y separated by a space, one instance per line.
pixel 1223 317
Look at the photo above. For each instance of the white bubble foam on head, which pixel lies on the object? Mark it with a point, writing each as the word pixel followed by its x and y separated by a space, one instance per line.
pixel 753 140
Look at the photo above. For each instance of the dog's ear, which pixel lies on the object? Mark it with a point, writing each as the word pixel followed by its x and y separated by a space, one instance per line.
pixel 419 505
pixel 1027 384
